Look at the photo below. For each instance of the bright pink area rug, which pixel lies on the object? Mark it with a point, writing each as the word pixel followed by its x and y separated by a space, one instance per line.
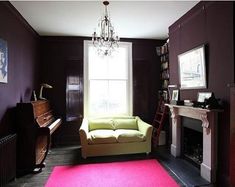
pixel 141 173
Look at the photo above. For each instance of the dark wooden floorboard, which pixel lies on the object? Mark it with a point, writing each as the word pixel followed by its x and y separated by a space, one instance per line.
pixel 184 173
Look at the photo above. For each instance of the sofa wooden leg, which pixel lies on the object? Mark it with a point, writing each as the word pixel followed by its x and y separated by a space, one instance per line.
pixel 84 157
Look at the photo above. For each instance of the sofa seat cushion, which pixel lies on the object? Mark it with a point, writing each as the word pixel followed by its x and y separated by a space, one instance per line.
pixel 129 135
pixel 102 137
pixel 126 123
pixel 101 123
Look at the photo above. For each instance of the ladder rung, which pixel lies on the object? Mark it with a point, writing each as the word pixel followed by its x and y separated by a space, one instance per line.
pixel 155 128
pixel 157 121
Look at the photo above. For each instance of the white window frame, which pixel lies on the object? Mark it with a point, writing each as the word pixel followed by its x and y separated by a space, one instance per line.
pixel 127 45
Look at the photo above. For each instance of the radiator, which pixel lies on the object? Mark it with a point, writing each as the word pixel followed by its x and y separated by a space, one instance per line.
pixel 7 159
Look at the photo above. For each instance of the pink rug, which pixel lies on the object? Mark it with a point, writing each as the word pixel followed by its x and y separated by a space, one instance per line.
pixel 142 173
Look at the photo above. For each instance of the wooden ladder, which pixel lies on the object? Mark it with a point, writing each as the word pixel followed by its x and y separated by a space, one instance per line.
pixel 158 121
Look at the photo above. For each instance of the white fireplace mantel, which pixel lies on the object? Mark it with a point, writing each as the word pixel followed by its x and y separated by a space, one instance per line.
pixel 209 124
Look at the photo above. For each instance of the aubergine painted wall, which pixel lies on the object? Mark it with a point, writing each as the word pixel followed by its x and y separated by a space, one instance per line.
pixel 58 53
pixel 23 55
pixel 209 23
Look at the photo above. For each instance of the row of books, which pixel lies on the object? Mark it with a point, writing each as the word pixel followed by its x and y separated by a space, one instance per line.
pixel 163 94
pixel 165 84
pixel 165 74
pixel 162 49
pixel 164 58
pixel 164 65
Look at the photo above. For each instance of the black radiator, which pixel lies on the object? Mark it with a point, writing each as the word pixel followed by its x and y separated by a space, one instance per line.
pixel 7 159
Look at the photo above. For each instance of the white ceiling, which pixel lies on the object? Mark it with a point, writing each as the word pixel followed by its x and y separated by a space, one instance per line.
pixel 131 19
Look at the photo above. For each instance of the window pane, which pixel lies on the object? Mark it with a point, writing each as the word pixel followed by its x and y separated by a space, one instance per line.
pixel 98 66
pixel 108 67
pixel 98 97
pixel 108 97
pixel 117 97
pixel 118 64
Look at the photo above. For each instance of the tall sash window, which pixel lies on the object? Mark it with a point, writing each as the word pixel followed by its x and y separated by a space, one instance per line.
pixel 107 81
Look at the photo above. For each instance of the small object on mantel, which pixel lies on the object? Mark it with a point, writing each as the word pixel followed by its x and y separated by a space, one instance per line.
pixel 175 102
pixel 212 103
pixel 188 103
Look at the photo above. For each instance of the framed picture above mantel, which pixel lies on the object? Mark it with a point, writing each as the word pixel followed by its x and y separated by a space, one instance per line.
pixel 192 68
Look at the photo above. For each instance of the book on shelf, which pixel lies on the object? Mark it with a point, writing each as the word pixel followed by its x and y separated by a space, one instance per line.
pixel 161 50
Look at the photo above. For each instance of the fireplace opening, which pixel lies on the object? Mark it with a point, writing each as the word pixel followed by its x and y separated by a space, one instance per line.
pixel 192 144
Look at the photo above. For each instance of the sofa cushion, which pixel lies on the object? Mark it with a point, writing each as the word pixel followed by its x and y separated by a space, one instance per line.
pixel 102 136
pixel 127 135
pixel 126 124
pixel 95 124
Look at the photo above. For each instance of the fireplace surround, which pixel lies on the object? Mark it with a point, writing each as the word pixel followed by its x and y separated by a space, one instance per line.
pixel 209 120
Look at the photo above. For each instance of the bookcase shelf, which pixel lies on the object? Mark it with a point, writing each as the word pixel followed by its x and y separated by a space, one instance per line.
pixel 163 52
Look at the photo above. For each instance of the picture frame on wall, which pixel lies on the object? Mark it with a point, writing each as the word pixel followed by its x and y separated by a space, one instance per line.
pixel 175 95
pixel 202 96
pixel 192 68
pixel 3 61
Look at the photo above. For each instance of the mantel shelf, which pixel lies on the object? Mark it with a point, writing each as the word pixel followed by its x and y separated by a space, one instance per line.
pixel 193 112
pixel 194 108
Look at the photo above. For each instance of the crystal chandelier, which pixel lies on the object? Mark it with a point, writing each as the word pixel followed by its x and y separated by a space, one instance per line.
pixel 105 41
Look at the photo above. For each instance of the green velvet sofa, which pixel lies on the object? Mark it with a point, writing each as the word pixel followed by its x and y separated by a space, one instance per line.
pixel 115 136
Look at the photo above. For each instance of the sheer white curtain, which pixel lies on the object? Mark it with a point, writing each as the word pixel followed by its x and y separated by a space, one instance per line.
pixel 107 81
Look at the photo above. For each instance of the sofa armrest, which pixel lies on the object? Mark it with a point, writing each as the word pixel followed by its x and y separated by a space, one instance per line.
pixel 83 132
pixel 145 128
pixel 84 135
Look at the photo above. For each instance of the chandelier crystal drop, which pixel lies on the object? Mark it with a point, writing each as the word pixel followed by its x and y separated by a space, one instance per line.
pixel 106 41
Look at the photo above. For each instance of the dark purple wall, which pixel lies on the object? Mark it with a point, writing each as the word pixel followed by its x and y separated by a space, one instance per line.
pixel 59 52
pixel 23 58
pixel 209 23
